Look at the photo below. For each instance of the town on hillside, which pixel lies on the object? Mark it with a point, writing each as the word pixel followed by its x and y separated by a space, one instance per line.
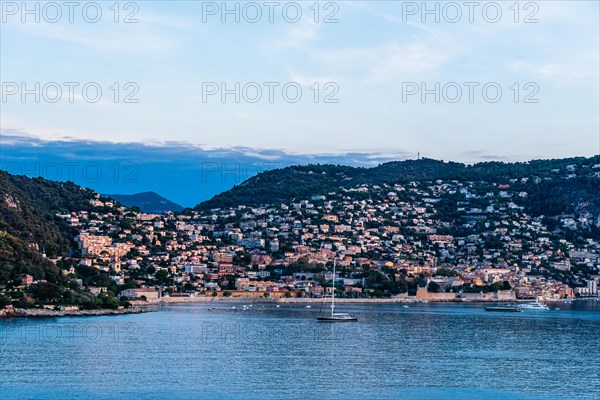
pixel 445 240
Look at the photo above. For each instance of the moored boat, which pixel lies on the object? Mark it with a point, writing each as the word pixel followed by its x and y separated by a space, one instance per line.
pixel 335 317
pixel 509 308
pixel 536 305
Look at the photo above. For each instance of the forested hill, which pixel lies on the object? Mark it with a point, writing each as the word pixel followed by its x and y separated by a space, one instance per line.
pixel 301 182
pixel 29 226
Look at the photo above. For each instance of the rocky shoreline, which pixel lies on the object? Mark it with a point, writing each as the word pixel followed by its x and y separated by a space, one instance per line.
pixel 42 312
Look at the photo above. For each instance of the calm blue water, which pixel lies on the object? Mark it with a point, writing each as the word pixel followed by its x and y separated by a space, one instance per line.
pixel 428 351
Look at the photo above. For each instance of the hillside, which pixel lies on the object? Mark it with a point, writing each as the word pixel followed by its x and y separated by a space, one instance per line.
pixel 33 239
pixel 301 182
pixel 149 202
pixel 29 226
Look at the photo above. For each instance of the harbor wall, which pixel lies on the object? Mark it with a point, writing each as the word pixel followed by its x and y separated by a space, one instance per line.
pixel 502 295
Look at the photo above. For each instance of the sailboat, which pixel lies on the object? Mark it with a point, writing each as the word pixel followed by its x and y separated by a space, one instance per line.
pixel 335 317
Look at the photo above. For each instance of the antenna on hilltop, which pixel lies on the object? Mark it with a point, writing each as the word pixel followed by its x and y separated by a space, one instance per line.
pixel 418 155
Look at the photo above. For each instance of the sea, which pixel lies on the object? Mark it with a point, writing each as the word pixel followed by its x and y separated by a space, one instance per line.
pixel 228 350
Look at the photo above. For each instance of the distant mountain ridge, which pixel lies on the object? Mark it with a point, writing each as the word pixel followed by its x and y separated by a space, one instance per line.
pixel 300 182
pixel 149 202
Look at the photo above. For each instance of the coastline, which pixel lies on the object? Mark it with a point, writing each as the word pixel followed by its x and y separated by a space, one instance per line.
pixel 44 313
pixel 399 300
pixel 140 306
pixel 216 300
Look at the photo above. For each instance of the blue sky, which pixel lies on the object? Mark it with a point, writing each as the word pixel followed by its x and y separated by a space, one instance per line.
pixel 371 58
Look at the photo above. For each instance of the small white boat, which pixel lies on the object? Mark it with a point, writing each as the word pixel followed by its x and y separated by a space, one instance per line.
pixel 405 306
pixel 536 305
pixel 308 307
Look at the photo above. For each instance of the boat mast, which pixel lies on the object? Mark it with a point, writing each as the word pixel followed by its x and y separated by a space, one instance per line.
pixel 333 288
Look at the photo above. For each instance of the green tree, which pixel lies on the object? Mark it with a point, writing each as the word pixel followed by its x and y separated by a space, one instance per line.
pixel 433 287
pixel 4 301
pixel 46 291
pixel 162 275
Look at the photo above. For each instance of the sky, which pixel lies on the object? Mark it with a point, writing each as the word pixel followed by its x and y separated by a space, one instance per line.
pixel 174 86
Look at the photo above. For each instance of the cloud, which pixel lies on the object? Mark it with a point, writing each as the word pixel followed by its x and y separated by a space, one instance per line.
pixel 388 61
pixel 107 150
pixel 298 35
pixel 152 35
